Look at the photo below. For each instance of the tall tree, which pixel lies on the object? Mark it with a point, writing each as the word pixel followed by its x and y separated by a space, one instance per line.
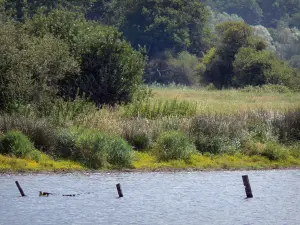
pixel 161 25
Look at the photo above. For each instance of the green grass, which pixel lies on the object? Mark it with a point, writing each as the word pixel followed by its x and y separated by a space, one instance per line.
pixel 148 162
pixel 229 101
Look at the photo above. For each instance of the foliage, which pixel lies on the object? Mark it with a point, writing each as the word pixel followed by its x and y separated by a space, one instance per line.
pixel 287 41
pixel 249 10
pixel 241 60
pixel 100 150
pixel 217 145
pixel 24 9
pixel 161 25
pixel 31 67
pixel 110 69
pixel 15 143
pixel 253 67
pixel 40 131
pixel 295 62
pixel 233 36
pixel 271 150
pixel 184 67
pixel 173 145
pixel 66 145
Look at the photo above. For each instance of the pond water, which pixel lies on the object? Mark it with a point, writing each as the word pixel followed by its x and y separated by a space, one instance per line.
pixel 152 198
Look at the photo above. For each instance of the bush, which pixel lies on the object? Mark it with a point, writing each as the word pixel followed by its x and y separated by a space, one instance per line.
pixel 15 143
pixel 217 145
pixel 119 152
pixel 111 70
pixel 66 145
pixel 271 150
pixel 31 66
pixel 252 67
pixel 173 145
pixel 40 131
pixel 100 150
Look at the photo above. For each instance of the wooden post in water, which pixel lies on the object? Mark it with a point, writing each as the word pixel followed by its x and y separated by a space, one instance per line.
pixel 247 186
pixel 119 190
pixel 20 189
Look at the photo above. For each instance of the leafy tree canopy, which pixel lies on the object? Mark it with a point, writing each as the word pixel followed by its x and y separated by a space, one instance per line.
pixel 161 25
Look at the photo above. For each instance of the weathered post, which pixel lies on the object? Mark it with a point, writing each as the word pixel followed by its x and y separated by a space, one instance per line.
pixel 119 190
pixel 20 189
pixel 247 186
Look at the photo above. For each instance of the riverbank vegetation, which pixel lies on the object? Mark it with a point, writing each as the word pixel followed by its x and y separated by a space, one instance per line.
pixel 110 85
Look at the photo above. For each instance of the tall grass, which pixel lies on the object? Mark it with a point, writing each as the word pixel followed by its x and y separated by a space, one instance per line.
pixel 152 109
pixel 287 126
pixel 42 133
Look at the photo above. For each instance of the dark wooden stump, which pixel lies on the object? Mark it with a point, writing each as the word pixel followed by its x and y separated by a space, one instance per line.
pixel 247 186
pixel 20 189
pixel 119 190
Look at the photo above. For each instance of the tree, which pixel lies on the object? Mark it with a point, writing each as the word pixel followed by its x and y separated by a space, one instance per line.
pixel 249 10
pixel 241 59
pixel 233 36
pixel 110 69
pixel 23 9
pixel 161 25
pixel 31 66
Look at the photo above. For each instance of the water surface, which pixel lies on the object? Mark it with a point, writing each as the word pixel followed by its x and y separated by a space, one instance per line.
pixel 152 198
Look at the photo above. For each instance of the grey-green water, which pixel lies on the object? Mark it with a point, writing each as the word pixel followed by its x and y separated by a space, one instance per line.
pixel 153 198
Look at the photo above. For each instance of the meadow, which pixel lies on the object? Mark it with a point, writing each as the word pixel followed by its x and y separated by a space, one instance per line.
pixel 169 128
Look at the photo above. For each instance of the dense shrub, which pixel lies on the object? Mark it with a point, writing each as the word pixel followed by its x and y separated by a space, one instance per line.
pixel 15 143
pixel 173 145
pixel 40 131
pixel 217 145
pixel 271 150
pixel 31 66
pixel 97 150
pixel 252 67
pixel 111 69
pixel 66 145
pixel 119 152
pixel 274 151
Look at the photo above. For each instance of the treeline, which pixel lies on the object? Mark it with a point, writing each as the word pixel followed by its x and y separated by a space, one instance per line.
pixel 265 12
pixel 60 53
pixel 104 49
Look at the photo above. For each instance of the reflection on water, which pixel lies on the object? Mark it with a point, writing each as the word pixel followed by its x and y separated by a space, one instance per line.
pixel 153 198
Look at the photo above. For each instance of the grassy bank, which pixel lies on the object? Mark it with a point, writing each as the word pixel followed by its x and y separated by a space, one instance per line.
pixel 176 128
pixel 147 162
pixel 13 164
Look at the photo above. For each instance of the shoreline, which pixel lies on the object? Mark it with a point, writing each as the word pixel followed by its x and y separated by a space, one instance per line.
pixel 160 170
